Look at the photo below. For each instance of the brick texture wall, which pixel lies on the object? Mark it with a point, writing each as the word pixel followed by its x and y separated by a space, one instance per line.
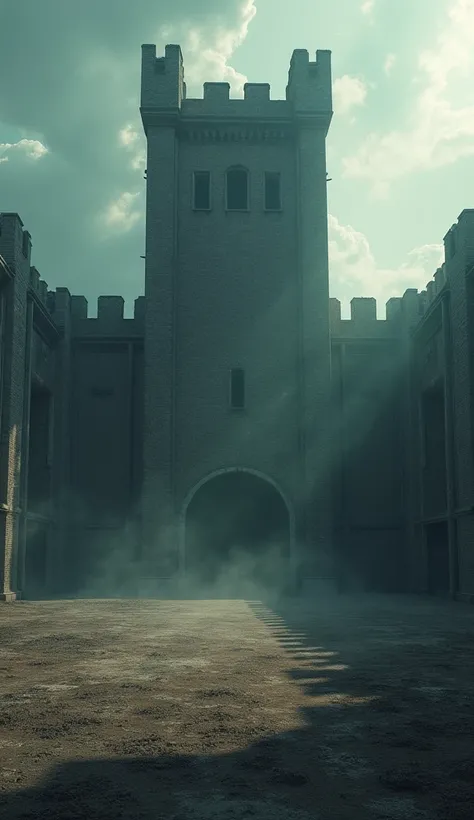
pixel 15 247
pixel 236 289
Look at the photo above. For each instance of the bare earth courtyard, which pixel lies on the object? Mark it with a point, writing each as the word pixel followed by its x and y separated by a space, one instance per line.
pixel 347 708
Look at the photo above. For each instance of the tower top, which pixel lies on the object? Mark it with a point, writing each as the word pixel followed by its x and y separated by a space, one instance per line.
pixel 163 92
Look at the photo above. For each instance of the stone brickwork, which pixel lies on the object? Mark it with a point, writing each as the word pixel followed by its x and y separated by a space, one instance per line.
pixel 227 289
pixel 109 426
pixel 15 248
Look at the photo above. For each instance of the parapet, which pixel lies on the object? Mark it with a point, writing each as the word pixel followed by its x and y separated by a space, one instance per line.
pixel 309 88
pixel 363 323
pixel 163 93
pixel 400 311
pixel 110 321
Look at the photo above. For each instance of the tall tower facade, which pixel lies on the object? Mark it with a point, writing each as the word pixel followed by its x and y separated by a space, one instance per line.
pixel 237 344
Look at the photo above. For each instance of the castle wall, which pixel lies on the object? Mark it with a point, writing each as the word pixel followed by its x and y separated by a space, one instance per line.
pixel 15 248
pixel 459 246
pixel 107 425
pixel 106 435
pixel 367 448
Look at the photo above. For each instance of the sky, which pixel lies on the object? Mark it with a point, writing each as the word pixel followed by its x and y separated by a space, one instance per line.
pixel 400 148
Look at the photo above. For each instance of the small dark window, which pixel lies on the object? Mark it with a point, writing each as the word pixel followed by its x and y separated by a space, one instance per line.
pixel 272 192
pixel 202 191
pixel 237 189
pixel 237 388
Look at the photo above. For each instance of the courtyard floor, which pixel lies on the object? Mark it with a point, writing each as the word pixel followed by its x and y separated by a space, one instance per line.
pixel 345 709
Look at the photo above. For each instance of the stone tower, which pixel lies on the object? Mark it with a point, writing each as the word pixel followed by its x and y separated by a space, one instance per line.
pixel 237 344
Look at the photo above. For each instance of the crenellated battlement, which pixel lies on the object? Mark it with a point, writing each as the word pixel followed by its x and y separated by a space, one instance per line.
pixel 164 91
pixel 363 322
pixel 400 311
pixel 110 320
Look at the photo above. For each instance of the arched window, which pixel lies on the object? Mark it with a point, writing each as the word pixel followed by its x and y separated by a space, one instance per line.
pixel 237 189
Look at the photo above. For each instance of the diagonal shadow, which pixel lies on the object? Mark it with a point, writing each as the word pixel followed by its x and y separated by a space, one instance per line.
pixel 373 742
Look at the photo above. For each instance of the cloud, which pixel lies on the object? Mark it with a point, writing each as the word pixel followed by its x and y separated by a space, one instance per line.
pixel 73 98
pixel 440 131
pixel 121 214
pixel 31 149
pixel 208 61
pixel 355 272
pixel 389 63
pixel 348 93
pixel 367 7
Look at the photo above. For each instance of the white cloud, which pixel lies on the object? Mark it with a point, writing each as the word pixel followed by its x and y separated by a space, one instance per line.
pixel 134 143
pixel 122 213
pixel 348 92
pixel 354 270
pixel 33 149
pixel 440 132
pixel 389 63
pixel 128 135
pixel 208 53
pixel 367 7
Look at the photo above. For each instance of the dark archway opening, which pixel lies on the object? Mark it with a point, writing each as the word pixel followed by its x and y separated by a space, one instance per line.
pixel 238 536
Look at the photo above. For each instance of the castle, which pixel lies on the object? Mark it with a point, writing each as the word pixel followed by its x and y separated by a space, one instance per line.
pixel 236 421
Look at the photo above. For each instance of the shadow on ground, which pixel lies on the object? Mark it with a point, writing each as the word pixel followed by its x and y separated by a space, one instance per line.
pixel 387 731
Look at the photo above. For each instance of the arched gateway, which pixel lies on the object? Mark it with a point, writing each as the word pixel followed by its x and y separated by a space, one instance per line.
pixel 237 533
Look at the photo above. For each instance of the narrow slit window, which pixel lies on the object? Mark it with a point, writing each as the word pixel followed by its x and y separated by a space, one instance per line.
pixel 202 191
pixel 272 192
pixel 237 189
pixel 237 388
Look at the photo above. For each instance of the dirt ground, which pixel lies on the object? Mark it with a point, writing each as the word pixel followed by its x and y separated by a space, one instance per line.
pixel 348 708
